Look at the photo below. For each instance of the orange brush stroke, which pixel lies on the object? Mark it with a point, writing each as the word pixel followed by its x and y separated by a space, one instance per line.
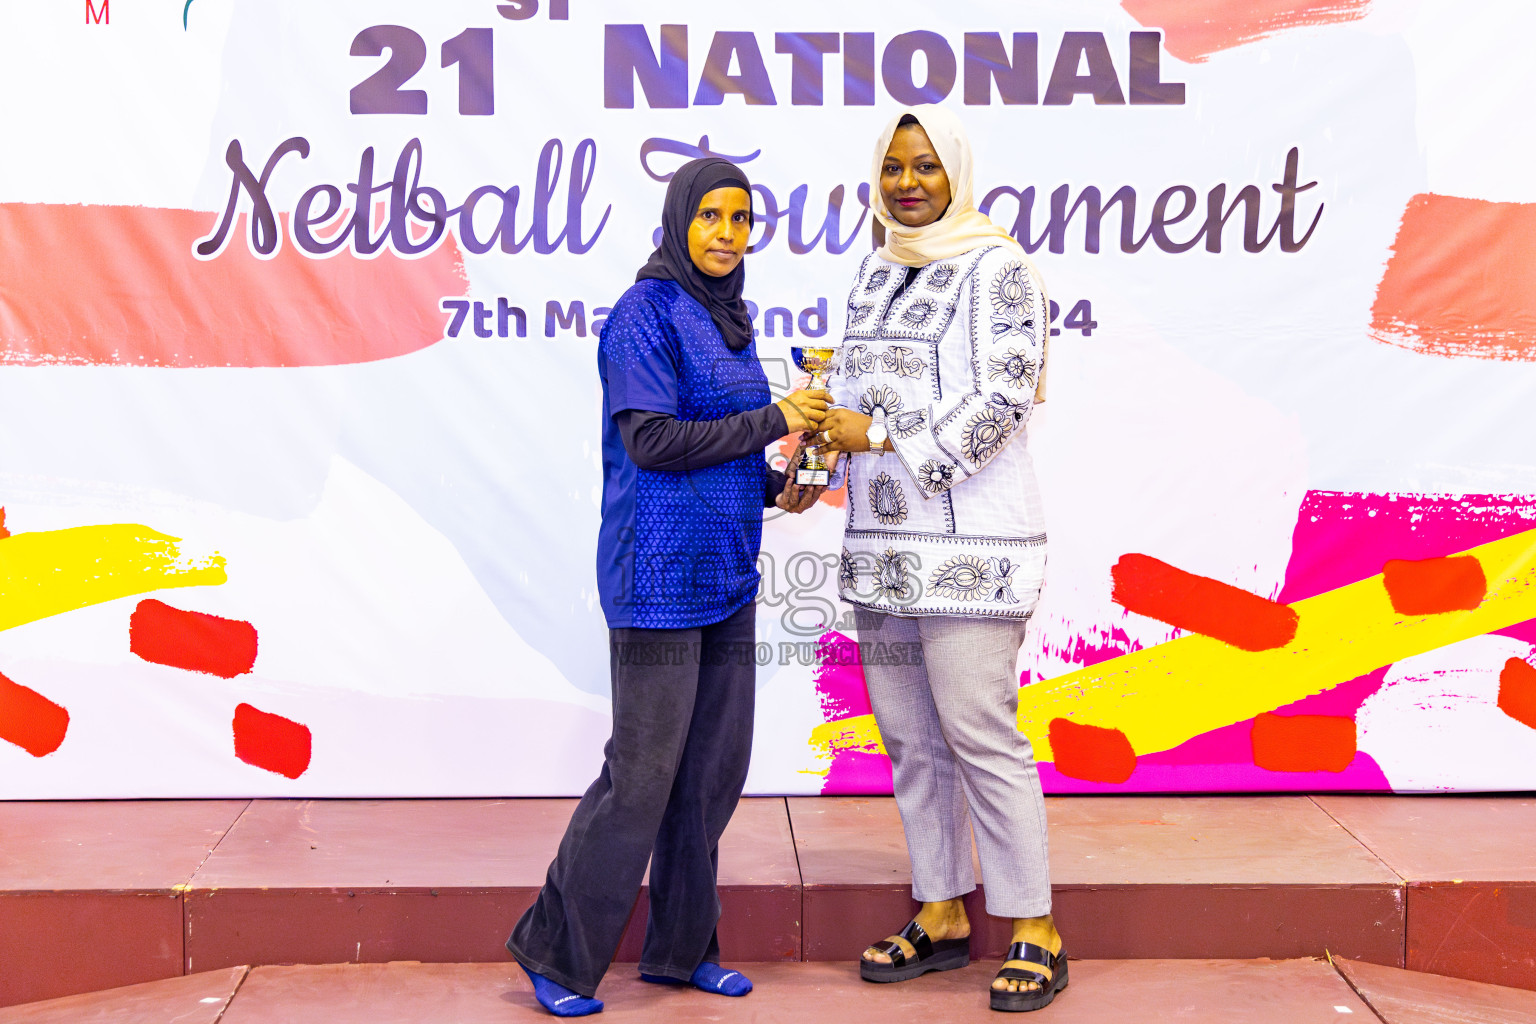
pixel 31 721
pixel 1460 280
pixel 1195 29
pixel 1303 743
pixel 1429 586
pixel 1091 752
pixel 118 285
pixel 272 742
pixel 1517 692
pixel 1151 587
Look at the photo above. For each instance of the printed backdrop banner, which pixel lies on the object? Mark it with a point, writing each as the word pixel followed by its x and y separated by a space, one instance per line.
pixel 299 417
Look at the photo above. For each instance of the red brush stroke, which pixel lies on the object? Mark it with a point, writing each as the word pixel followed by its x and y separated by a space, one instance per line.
pixel 1195 29
pixel 1433 585
pixel 1303 743
pixel 1517 692
pixel 1460 280
pixel 1091 752
pixel 191 640
pixel 272 742
pixel 118 285
pixel 1154 588
pixel 4 533
pixel 31 721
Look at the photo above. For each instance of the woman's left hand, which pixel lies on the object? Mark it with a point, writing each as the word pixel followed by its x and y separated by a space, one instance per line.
pixel 844 430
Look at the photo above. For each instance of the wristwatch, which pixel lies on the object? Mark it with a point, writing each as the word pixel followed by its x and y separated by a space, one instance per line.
pixel 877 432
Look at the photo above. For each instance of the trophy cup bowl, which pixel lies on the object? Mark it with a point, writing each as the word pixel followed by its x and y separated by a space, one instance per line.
pixel 812 470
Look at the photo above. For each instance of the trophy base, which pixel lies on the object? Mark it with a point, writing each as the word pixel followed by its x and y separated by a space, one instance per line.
pixel 812 477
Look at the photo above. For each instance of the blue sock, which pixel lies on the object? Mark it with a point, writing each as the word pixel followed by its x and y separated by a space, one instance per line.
pixel 558 999
pixel 709 977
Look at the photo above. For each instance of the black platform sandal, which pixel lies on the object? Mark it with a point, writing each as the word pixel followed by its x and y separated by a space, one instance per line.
pixel 1018 1002
pixel 944 955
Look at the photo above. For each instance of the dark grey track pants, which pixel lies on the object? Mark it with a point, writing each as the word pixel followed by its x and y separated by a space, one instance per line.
pixel 672 775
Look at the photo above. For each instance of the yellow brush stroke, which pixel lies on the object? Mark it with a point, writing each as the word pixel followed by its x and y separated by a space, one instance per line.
pixel 857 732
pixel 49 572
pixel 1164 695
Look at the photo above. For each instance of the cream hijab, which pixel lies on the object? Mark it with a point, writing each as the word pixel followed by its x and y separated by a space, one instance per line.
pixel 961 227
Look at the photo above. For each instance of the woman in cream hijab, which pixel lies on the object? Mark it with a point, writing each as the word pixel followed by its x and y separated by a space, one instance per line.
pixel 944 551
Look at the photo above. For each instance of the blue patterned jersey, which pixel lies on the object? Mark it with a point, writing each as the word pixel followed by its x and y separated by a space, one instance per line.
pixel 676 550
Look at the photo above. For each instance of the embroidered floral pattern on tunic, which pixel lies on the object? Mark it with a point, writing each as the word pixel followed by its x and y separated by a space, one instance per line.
pixel 898 359
pixel 891 578
pixel 935 476
pixel 1011 300
pixel 883 398
pixel 968 578
pixel 962 578
pixel 916 542
pixel 887 501
pixel 906 424
pixel 1014 368
pixel 1008 407
pixel 1000 580
pixel 940 276
pixel 857 361
pixel 985 433
pixel 918 313
pixel 858 314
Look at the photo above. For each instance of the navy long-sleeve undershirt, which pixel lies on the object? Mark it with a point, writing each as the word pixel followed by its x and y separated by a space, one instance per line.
pixel 663 443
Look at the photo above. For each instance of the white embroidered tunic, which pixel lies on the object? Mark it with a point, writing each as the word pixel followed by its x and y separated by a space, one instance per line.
pixel 951 522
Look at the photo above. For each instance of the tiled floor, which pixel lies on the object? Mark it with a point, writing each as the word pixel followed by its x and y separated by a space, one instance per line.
pixel 1101 992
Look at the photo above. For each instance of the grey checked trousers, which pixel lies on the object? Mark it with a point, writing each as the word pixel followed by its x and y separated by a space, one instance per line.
pixel 950 725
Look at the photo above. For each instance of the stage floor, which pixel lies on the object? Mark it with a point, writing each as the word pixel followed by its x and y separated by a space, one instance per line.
pixel 1101 992
pixel 101 894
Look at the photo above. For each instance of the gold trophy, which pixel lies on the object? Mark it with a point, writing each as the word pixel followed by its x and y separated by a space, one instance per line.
pixel 812 470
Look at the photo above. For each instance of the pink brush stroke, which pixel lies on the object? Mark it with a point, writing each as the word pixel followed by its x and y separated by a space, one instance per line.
pixel 843 693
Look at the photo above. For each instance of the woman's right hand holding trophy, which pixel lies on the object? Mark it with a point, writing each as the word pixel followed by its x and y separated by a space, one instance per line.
pixel 805 409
